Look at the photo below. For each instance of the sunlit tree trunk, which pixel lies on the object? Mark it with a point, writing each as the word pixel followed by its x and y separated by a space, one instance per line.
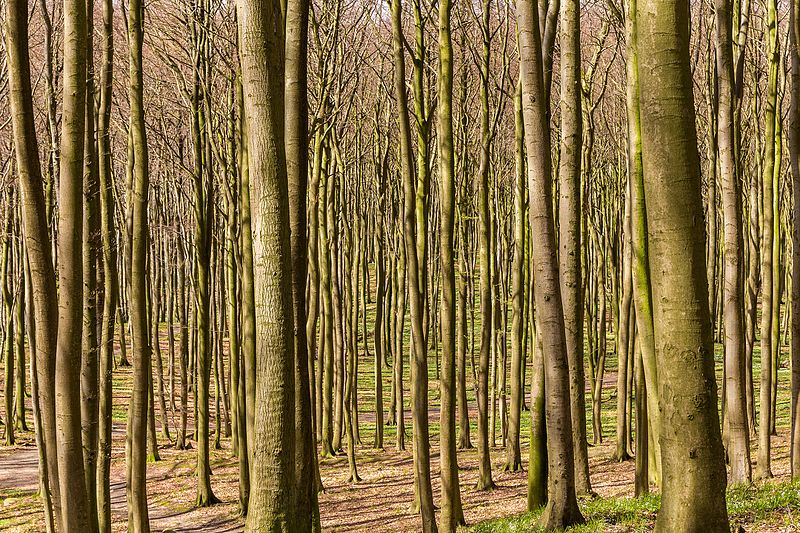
pixel 693 464
pixel 138 518
pixel 419 363
pixel 452 514
pixel 569 226
pixel 272 491
pixel 771 115
pixel 37 241
pixel 738 437
pixel 562 505
pixel 110 278
pixel 74 508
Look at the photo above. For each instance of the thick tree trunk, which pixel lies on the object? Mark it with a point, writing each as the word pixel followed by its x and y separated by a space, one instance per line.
pixel 693 464
pixel 297 170
pixel 272 495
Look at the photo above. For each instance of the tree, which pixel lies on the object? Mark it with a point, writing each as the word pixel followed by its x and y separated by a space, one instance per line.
pixel 138 518
pixel 37 244
pixel 794 157
pixel 74 502
pixel 768 240
pixel 296 139
pixel 562 505
pixel 110 278
pixel 452 513
pixel 89 379
pixel 735 406
pixel 569 175
pixel 272 495
pixel 691 445
pixel 419 365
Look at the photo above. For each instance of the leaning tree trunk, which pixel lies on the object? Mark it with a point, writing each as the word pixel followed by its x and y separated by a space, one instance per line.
pixel 37 239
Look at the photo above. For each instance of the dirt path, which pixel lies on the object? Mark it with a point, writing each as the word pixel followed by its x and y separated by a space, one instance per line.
pixel 19 479
pixel 19 469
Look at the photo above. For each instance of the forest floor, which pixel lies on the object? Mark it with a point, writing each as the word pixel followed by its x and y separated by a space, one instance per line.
pixel 381 501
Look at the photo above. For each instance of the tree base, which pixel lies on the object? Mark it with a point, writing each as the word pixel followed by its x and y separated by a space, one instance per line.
pixel 486 486
pixel 207 500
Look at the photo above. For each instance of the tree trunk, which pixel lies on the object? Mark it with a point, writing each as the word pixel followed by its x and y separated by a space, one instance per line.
pixel 452 514
pixel 138 520
pixel 74 508
pixel 569 226
pixel 419 363
pixel 272 496
pixel 794 158
pixel 562 506
pixel 297 170
pixel 693 464
pixel 733 300
pixel 763 468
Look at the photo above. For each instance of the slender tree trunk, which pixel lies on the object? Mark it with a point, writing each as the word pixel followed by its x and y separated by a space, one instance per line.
pixel 91 244
pixel 794 158
pixel 518 293
pixel 771 115
pixel 562 505
pixel 537 451
pixel 735 402
pixel 452 514
pixel 569 241
pixel 624 334
pixel 110 281
pixel 6 274
pixel 642 292
pixel 485 481
pixel 138 519
pixel 419 363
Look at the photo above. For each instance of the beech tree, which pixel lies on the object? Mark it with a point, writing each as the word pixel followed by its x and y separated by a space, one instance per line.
pixel 329 233
pixel 691 443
